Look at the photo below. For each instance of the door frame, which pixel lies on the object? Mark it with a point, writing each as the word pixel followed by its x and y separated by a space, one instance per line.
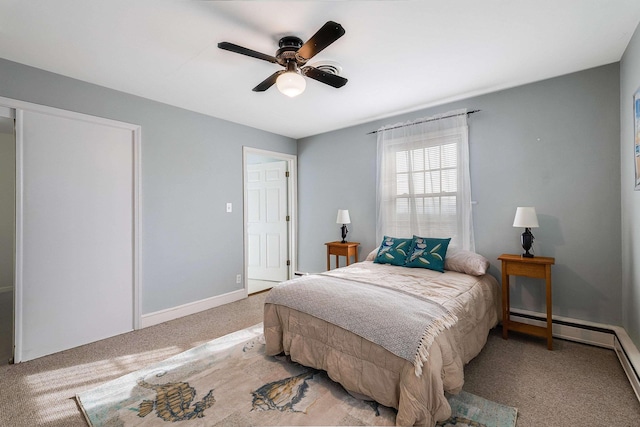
pixel 292 208
pixel 20 107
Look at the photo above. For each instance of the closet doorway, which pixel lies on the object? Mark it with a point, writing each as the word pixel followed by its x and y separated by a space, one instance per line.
pixel 75 229
pixel 7 235
pixel 269 218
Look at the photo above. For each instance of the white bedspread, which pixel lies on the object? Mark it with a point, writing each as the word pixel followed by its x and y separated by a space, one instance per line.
pixel 404 323
pixel 365 368
pixel 467 297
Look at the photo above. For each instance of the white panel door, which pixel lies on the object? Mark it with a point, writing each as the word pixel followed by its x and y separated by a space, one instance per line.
pixel 267 221
pixel 78 232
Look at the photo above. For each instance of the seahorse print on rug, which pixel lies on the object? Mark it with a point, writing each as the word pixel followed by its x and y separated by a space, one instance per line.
pixel 282 395
pixel 173 401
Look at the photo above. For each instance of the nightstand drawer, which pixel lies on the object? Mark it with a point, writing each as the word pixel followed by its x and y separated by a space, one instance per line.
pixel 341 250
pixel 528 270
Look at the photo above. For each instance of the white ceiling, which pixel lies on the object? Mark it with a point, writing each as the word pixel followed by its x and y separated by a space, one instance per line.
pixel 399 56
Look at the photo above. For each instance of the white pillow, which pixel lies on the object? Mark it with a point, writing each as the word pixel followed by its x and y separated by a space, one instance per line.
pixel 372 255
pixel 466 262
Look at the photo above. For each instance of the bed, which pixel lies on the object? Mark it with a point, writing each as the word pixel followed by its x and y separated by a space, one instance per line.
pixel 397 335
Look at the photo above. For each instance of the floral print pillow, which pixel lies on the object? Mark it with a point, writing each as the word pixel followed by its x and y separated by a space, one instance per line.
pixel 428 253
pixel 393 250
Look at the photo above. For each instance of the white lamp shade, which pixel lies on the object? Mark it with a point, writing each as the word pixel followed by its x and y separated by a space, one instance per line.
pixel 291 83
pixel 526 217
pixel 343 217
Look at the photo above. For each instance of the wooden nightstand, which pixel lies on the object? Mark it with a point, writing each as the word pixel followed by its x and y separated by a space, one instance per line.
pixel 347 249
pixel 537 267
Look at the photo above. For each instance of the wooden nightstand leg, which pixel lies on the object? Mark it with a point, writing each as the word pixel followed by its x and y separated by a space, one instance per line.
pixel 505 302
pixel 328 259
pixel 337 262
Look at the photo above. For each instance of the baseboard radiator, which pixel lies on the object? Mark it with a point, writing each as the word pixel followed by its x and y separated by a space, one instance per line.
pixel 611 337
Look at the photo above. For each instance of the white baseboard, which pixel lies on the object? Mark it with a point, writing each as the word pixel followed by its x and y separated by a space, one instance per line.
pixel 569 329
pixel 629 358
pixel 608 336
pixel 190 308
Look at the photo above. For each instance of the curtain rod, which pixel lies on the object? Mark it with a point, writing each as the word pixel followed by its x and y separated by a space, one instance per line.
pixel 427 120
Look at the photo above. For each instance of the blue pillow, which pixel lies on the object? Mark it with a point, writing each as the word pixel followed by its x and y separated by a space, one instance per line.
pixel 393 250
pixel 428 253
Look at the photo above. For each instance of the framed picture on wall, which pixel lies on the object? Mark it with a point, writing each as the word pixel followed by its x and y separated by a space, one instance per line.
pixel 636 135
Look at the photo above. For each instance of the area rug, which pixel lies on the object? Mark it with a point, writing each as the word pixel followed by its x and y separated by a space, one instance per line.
pixel 230 382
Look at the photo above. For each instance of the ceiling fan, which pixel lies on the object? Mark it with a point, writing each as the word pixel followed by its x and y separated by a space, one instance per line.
pixel 293 55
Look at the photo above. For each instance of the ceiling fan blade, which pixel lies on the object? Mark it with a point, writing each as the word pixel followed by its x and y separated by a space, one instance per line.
pixel 324 77
pixel 329 33
pixel 268 82
pixel 244 51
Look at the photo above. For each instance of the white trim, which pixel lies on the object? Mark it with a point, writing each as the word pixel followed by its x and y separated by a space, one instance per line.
pixel 191 308
pixel 608 336
pixel 629 347
pixel 137 226
pixel 571 333
pixel 8 113
pixel 45 109
pixel 20 107
pixel 19 242
pixel 629 359
pixel 292 206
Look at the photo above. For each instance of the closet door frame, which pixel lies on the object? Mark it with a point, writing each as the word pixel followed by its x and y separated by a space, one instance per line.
pixel 20 107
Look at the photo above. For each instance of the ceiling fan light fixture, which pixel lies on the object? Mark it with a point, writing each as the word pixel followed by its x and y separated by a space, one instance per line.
pixel 293 55
pixel 291 83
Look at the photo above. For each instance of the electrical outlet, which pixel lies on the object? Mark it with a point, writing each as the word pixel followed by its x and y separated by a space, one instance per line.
pixel 239 278
pixel 229 207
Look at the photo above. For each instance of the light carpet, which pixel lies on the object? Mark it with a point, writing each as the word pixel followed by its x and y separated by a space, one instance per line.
pixel 229 381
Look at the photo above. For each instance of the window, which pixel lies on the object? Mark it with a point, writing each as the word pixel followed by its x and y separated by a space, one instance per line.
pixel 432 171
pixel 422 169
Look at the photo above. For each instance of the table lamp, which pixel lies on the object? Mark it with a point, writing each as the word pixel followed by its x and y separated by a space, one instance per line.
pixel 343 218
pixel 526 217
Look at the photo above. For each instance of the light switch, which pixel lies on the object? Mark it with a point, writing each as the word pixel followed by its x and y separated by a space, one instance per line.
pixel 229 207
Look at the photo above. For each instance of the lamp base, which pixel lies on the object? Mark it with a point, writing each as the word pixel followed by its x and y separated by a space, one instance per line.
pixel 344 233
pixel 527 242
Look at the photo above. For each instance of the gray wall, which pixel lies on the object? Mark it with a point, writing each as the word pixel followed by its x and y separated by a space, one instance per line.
pixel 629 84
pixel 552 144
pixel 191 167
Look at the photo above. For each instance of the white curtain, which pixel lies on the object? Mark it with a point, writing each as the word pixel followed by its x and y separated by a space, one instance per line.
pixel 423 183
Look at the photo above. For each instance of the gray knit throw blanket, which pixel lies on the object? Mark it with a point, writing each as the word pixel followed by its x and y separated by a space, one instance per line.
pixel 404 324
